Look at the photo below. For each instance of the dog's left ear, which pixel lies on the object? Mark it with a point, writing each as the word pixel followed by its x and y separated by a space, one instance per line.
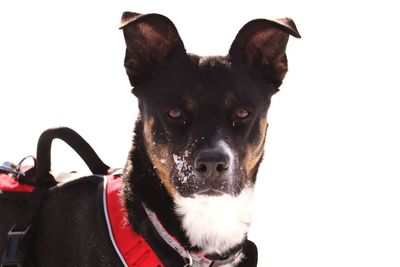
pixel 261 46
pixel 150 40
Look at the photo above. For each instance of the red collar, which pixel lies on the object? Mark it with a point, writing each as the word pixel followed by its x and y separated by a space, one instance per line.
pixel 132 249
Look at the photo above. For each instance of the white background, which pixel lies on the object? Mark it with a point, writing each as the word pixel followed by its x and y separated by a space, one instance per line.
pixel 328 192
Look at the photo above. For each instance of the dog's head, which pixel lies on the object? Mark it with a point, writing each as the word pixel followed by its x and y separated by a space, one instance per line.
pixel 204 118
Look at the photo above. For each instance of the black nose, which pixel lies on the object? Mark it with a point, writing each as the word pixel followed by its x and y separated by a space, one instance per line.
pixel 211 164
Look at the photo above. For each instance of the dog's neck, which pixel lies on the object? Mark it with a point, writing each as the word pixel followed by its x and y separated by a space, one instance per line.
pixel 143 186
pixel 216 226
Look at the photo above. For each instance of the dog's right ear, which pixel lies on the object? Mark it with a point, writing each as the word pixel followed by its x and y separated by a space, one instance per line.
pixel 261 46
pixel 150 39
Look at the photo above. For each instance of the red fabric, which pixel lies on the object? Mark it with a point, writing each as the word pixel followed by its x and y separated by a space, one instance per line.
pixel 134 249
pixel 8 184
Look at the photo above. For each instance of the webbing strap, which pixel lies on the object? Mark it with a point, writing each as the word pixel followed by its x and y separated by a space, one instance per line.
pixel 131 248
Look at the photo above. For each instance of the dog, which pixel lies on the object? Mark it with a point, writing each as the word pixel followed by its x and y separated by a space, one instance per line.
pixel 198 143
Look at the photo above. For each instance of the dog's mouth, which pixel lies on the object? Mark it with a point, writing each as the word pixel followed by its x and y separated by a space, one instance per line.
pixel 188 184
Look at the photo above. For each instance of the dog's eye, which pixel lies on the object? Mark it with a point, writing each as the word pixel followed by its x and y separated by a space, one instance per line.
pixel 175 113
pixel 242 113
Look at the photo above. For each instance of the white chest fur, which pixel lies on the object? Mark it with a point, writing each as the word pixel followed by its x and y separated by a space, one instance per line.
pixel 216 223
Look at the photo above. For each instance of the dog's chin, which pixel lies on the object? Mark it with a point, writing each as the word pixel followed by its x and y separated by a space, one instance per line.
pixel 215 221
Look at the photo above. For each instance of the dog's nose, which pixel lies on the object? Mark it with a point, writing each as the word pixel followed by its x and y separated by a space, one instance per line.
pixel 211 164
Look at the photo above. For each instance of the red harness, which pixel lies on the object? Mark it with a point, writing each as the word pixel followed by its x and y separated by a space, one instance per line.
pixel 9 174
pixel 132 249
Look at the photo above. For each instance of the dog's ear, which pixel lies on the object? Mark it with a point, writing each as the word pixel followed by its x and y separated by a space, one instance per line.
pixel 261 46
pixel 150 39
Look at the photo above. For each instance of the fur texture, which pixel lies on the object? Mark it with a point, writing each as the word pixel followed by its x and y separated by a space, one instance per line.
pixel 215 224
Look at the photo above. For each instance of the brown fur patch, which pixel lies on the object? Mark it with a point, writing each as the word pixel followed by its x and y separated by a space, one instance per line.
pixel 269 46
pixel 270 43
pixel 158 154
pixel 255 152
pixel 188 102
pixel 157 40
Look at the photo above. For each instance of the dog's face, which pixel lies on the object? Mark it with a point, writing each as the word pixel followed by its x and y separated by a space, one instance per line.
pixel 204 118
pixel 204 126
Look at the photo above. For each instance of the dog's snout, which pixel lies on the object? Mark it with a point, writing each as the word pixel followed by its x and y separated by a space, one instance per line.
pixel 211 164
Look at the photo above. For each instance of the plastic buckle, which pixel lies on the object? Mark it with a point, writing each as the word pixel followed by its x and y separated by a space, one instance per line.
pixel 8 167
pixel 14 254
pixel 15 170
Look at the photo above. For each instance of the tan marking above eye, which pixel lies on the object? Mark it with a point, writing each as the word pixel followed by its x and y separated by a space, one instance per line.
pixel 229 99
pixel 175 113
pixel 189 103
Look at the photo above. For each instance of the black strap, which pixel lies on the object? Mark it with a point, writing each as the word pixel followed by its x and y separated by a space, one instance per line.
pixel 250 255
pixel 76 142
pixel 14 254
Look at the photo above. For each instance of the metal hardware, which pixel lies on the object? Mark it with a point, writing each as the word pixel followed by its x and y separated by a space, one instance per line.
pixel 8 167
pixel 15 169
pixel 190 263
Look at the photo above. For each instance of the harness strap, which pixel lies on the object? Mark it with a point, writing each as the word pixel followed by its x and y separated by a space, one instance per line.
pixel 14 254
pixel 76 142
pixel 131 248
